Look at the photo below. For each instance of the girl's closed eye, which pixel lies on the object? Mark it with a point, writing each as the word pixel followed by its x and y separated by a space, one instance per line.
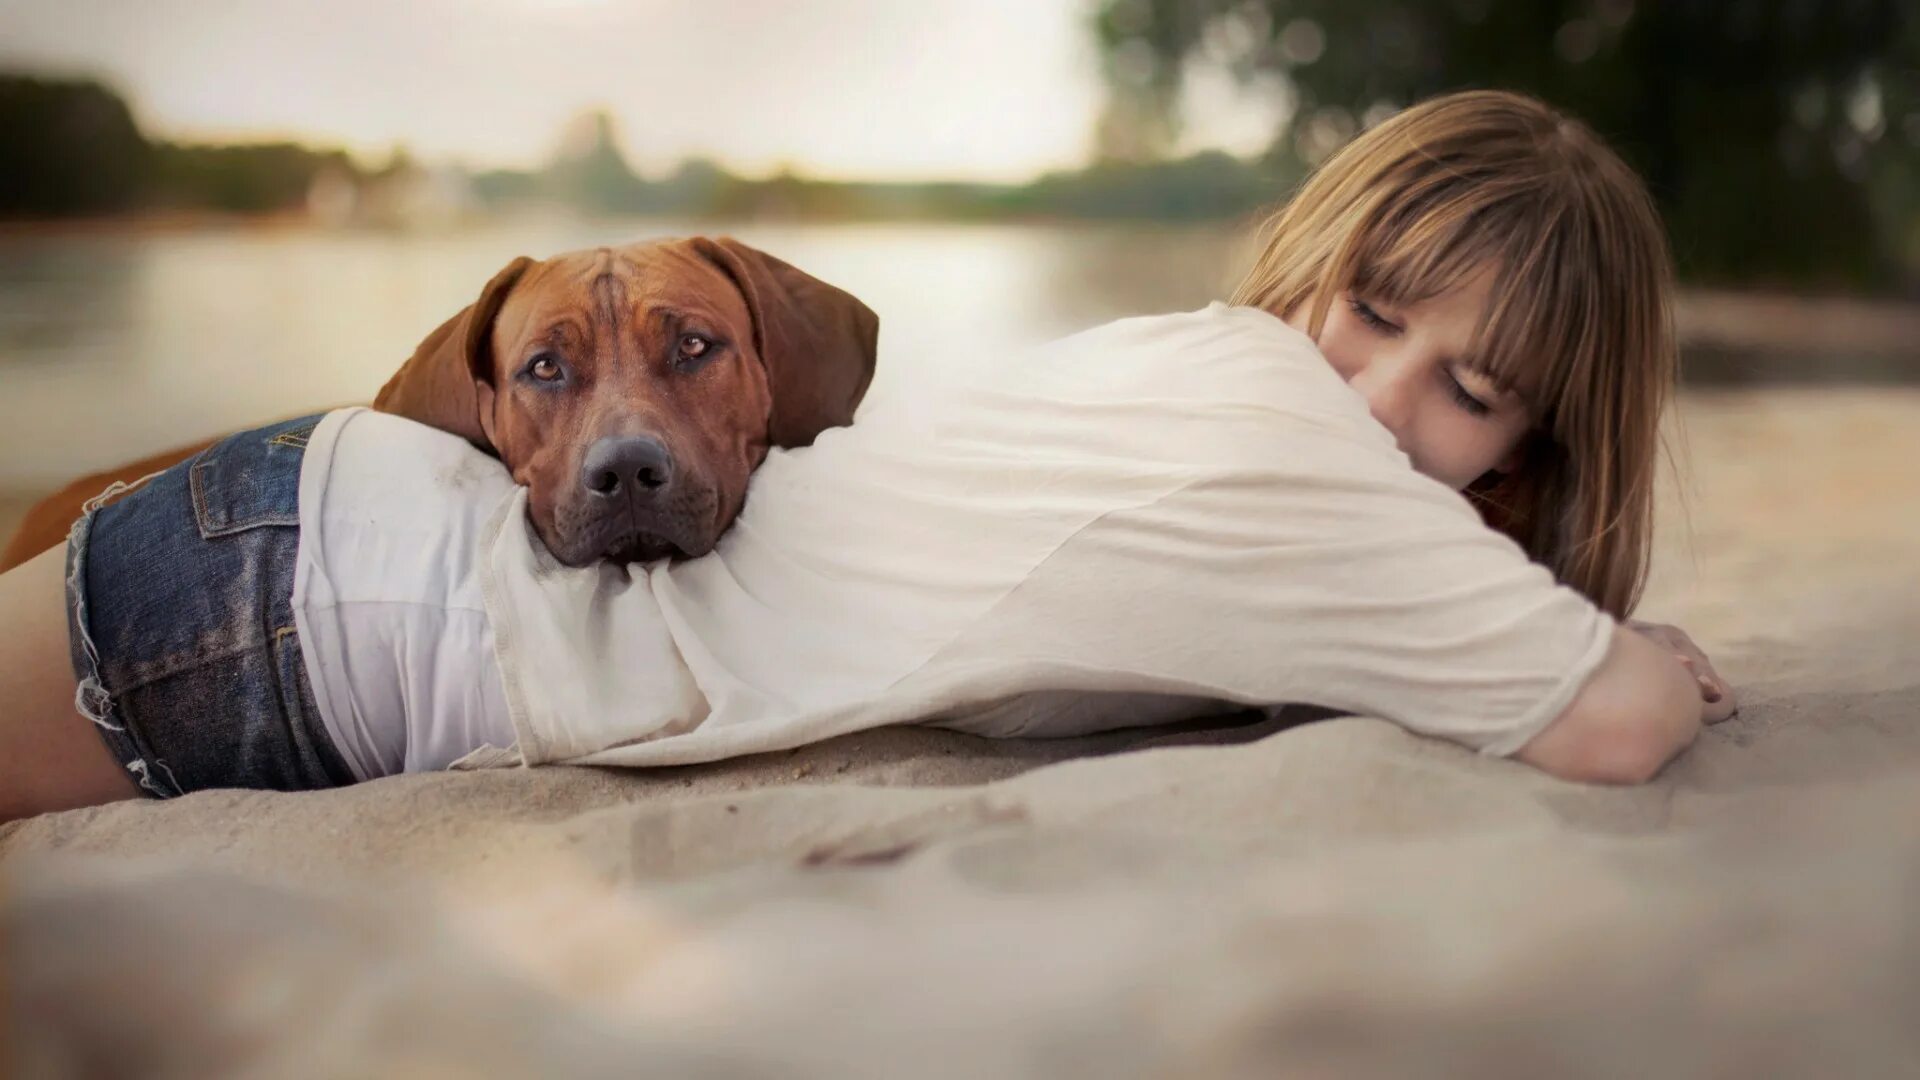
pixel 1365 313
pixel 1464 398
pixel 1455 388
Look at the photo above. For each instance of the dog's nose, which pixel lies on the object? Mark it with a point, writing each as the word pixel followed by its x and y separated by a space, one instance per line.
pixel 622 465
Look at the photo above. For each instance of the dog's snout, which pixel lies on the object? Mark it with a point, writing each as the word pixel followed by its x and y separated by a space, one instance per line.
pixel 626 465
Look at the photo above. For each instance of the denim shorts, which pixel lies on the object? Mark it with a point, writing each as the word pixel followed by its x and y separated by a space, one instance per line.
pixel 181 623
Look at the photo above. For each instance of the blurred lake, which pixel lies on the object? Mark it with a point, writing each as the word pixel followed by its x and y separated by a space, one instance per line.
pixel 118 344
pixel 113 346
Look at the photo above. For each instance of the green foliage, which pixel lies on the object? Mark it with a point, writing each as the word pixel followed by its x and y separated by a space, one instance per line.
pixel 1780 136
pixel 67 147
pixel 71 147
pixel 1207 185
pixel 246 179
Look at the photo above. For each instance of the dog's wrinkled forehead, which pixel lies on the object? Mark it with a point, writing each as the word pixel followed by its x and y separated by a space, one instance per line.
pixel 597 299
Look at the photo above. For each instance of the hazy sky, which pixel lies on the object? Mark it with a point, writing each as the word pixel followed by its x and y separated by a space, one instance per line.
pixel 991 89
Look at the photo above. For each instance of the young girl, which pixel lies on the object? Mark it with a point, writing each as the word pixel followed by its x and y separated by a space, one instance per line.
pixel 1160 518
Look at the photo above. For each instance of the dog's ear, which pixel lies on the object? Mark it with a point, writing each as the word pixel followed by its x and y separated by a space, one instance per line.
pixel 438 383
pixel 817 341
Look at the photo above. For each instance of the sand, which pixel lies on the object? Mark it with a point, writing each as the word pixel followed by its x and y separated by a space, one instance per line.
pixel 1323 897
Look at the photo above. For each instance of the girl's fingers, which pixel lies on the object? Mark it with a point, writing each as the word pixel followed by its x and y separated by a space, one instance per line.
pixel 1710 690
pixel 1723 709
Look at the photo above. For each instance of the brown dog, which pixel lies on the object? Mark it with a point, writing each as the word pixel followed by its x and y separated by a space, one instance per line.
pixel 632 390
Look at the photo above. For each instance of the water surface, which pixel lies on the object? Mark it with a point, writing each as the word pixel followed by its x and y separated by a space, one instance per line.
pixel 115 346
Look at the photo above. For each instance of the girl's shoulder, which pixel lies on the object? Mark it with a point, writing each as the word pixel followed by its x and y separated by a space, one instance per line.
pixel 1221 360
pixel 1216 323
pixel 1218 349
pixel 1222 390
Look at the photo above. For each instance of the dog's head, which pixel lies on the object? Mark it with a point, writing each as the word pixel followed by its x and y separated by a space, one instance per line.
pixel 634 390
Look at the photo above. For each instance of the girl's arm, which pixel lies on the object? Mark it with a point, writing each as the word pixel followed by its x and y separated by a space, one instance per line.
pixel 1639 708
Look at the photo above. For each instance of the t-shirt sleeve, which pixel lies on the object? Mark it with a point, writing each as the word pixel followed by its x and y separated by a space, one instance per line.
pixel 1358 586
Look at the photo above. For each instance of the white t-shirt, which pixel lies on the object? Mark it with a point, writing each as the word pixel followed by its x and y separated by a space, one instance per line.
pixel 1140 522
pixel 386 592
pixel 1156 519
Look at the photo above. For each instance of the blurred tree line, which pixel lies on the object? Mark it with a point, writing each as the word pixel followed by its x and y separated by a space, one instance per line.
pixel 1781 137
pixel 71 147
pixel 591 171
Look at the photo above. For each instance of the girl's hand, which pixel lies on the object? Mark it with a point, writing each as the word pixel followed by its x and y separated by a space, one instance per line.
pixel 1716 696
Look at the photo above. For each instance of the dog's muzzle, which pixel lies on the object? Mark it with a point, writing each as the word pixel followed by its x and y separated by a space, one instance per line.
pixel 631 504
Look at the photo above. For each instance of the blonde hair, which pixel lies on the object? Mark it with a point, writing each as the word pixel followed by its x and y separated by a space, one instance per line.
pixel 1578 317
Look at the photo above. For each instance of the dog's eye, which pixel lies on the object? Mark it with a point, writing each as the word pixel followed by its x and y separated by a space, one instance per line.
pixel 544 368
pixel 694 347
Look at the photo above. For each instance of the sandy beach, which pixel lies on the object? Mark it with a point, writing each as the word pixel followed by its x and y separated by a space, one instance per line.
pixel 1333 897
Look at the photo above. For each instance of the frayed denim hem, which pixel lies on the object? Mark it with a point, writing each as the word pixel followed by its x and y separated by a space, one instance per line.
pixel 92 699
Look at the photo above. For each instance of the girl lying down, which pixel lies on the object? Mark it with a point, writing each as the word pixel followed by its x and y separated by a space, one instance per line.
pixel 1407 473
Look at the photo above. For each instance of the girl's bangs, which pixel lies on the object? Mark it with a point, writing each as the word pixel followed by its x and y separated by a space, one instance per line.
pixel 1538 328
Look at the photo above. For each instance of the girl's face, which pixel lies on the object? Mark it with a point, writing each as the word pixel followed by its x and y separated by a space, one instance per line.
pixel 1411 363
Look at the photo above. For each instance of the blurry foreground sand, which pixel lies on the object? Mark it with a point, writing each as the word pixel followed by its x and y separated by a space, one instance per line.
pixel 1338 898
